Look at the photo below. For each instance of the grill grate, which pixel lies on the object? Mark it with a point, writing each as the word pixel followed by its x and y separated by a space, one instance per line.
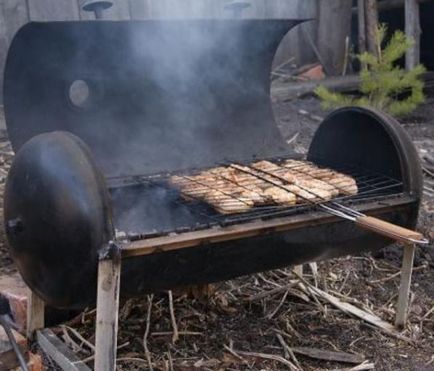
pixel 371 187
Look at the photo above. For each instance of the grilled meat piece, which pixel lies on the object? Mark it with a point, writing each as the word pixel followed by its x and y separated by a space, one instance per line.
pixel 226 204
pixel 281 196
pixel 344 184
pixel 304 184
pixel 236 189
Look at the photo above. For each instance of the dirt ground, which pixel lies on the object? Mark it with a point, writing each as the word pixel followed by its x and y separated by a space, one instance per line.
pixel 244 323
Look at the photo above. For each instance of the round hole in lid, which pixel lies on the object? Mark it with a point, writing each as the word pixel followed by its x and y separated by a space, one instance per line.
pixel 79 93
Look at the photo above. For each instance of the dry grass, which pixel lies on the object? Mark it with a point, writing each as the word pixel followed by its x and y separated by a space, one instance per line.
pixel 273 321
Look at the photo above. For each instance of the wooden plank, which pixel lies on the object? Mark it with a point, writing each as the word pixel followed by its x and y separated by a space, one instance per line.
pixel 361 26
pixel 348 308
pixel 58 351
pixel 371 19
pixel 331 39
pixel 328 355
pixel 390 4
pixel 35 313
pixel 294 44
pixel 13 14
pixel 245 230
pixel 413 31
pixel 107 310
pixel 298 270
pixel 404 287
pixel 152 9
pixel 53 10
pixel 138 9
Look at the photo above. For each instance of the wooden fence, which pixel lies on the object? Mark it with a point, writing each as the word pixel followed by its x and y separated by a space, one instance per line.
pixel 15 13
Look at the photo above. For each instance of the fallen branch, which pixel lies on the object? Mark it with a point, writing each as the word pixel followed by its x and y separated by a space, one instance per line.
pixel 129 359
pixel 79 337
pixel 145 336
pixel 363 366
pixel 347 308
pixel 180 333
pixel 273 313
pixel 397 274
pixel 288 351
pixel 342 84
pixel 232 352
pixel 272 357
pixel 357 312
pixel 327 355
pixel 175 336
pixel 298 90
pixel 275 291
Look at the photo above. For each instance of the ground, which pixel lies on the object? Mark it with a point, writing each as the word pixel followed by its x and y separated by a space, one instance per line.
pixel 245 321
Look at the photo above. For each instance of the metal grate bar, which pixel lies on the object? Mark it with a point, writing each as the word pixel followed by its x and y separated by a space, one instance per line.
pixel 371 187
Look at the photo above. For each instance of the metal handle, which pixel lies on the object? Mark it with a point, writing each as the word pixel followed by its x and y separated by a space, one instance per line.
pixel 96 6
pixel 391 230
pixel 237 7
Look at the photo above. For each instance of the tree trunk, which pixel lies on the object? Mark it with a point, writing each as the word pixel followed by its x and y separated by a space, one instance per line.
pixel 333 28
pixel 371 16
pixel 412 30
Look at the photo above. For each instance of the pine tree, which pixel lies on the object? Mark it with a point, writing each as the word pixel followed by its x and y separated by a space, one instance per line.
pixel 383 84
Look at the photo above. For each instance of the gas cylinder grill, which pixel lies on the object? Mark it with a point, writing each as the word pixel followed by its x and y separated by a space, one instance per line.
pixel 108 111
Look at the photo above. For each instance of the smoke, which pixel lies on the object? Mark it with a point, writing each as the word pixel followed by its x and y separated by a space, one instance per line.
pixel 152 207
pixel 161 95
pixel 201 98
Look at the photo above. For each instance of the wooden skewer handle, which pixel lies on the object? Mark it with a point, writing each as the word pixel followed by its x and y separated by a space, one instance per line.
pixel 389 230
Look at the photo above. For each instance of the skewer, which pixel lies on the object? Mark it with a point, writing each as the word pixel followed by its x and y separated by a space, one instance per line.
pixel 373 224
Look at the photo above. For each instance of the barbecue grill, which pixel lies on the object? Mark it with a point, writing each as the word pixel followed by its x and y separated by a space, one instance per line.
pixel 102 114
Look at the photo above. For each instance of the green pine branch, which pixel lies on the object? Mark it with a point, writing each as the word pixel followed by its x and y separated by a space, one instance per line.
pixel 383 85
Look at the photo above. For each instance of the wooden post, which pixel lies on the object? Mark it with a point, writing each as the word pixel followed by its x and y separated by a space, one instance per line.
pixel 361 25
pixel 35 314
pixel 412 30
pixel 334 25
pixel 404 287
pixel 371 17
pixel 298 270
pixel 107 310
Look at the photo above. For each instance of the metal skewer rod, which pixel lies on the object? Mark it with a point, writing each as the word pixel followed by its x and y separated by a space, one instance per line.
pixel 373 224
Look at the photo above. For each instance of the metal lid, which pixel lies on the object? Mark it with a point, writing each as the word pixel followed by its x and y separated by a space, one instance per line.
pixel 148 96
pixel 58 218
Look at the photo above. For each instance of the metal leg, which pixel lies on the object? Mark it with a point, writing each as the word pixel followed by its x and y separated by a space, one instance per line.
pixel 109 272
pixel 35 314
pixel 404 288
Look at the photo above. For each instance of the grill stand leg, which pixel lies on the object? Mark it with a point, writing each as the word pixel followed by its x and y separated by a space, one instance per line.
pixel 35 314
pixel 107 309
pixel 404 287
